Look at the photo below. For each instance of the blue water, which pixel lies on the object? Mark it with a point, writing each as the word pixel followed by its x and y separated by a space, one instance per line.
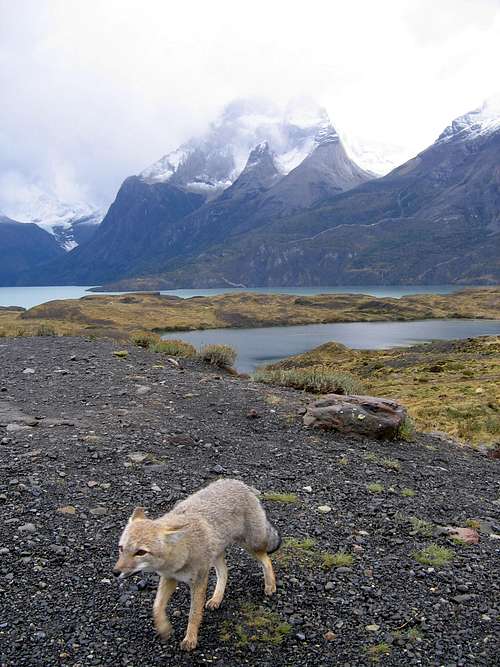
pixel 269 344
pixel 27 297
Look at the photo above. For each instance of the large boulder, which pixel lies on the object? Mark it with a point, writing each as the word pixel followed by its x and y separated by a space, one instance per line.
pixel 362 415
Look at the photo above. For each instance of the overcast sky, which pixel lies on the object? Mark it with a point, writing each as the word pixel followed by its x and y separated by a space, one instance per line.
pixel 95 90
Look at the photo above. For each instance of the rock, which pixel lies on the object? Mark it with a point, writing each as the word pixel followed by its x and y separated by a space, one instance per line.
pixel 463 598
pixel 372 628
pixel 91 483
pixel 253 414
pixel 98 511
pixel 27 528
pixel 28 371
pixel 67 509
pixel 467 535
pixel 14 428
pixel 329 586
pixel 329 636
pixel 307 489
pixel 324 509
pixel 362 415
pixel 142 390
pixel 138 457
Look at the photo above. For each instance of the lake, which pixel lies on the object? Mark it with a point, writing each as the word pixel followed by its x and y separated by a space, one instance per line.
pixel 27 297
pixel 269 344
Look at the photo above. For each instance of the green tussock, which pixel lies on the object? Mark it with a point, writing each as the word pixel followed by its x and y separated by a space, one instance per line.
pixel 257 625
pixel 378 651
pixel 338 559
pixel 121 354
pixel 144 339
pixel 375 487
pixel 407 493
pixel 421 527
pixel 174 348
pixel 313 380
pixel 434 555
pixel 222 356
pixel 279 497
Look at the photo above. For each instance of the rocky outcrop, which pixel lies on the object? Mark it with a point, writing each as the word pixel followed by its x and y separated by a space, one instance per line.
pixel 360 415
pixel 23 246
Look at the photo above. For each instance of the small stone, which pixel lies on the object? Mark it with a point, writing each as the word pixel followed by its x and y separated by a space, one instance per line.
pixel 27 528
pixel 329 636
pixel 300 636
pixel 67 509
pixel 463 598
pixel 155 488
pixel 142 389
pixel 253 414
pixel 91 483
pixel 329 586
pixel 98 511
pixel 372 628
pixel 29 371
pixel 138 457
pixel 324 509
pixel 307 489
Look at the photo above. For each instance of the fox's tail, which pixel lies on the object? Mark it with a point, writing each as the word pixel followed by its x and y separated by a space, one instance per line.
pixel 273 539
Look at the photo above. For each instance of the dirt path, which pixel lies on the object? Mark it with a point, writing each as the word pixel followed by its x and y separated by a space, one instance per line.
pixel 97 435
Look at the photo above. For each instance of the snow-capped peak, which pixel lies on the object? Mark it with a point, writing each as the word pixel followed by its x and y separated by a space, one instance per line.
pixel 209 164
pixel 480 121
pixel 56 217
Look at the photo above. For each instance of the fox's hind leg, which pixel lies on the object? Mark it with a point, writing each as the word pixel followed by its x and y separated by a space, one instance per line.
pixel 166 587
pixel 220 587
pixel 267 567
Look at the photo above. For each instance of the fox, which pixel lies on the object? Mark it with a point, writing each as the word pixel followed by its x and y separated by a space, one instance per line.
pixel 185 543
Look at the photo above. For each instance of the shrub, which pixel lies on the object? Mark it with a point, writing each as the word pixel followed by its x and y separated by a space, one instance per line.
pixel 44 330
pixel 406 430
pixel 145 339
pixel 222 356
pixel 174 348
pixel 315 380
pixel 421 527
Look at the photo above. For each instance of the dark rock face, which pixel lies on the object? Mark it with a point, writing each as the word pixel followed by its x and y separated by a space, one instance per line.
pixel 359 415
pixel 130 233
pixel 23 246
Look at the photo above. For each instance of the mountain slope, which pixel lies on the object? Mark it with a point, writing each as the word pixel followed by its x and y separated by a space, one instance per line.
pixel 434 219
pixel 23 246
pixel 130 231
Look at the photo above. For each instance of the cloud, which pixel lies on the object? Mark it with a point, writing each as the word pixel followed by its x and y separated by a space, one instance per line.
pixel 95 91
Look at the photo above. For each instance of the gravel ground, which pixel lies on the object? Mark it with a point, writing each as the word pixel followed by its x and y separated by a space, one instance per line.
pixel 93 434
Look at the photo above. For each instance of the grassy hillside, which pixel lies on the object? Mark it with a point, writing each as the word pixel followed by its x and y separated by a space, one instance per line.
pixel 118 316
pixel 449 386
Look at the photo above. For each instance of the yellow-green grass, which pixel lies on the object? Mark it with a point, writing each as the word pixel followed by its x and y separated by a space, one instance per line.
pixel 152 311
pixel 448 386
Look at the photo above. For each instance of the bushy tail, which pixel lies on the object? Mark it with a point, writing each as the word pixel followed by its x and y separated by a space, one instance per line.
pixel 273 539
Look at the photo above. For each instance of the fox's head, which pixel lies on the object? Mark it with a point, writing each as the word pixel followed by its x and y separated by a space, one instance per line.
pixel 147 546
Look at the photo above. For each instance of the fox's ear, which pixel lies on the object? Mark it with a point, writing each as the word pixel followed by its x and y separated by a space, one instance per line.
pixel 172 535
pixel 138 513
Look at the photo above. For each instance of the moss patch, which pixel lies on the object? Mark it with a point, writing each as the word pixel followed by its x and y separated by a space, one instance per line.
pixel 279 497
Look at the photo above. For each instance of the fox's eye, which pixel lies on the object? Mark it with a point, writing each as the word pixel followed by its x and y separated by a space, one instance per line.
pixel 140 552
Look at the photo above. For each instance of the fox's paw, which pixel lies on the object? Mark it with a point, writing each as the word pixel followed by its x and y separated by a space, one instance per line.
pixel 164 629
pixel 189 643
pixel 269 590
pixel 213 603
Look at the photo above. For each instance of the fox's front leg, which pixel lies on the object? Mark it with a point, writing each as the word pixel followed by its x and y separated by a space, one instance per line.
pixel 166 587
pixel 198 594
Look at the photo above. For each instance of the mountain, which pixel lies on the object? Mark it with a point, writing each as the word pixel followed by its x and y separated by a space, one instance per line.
pixel 203 192
pixel 434 219
pixel 129 234
pixel 69 223
pixel 23 247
